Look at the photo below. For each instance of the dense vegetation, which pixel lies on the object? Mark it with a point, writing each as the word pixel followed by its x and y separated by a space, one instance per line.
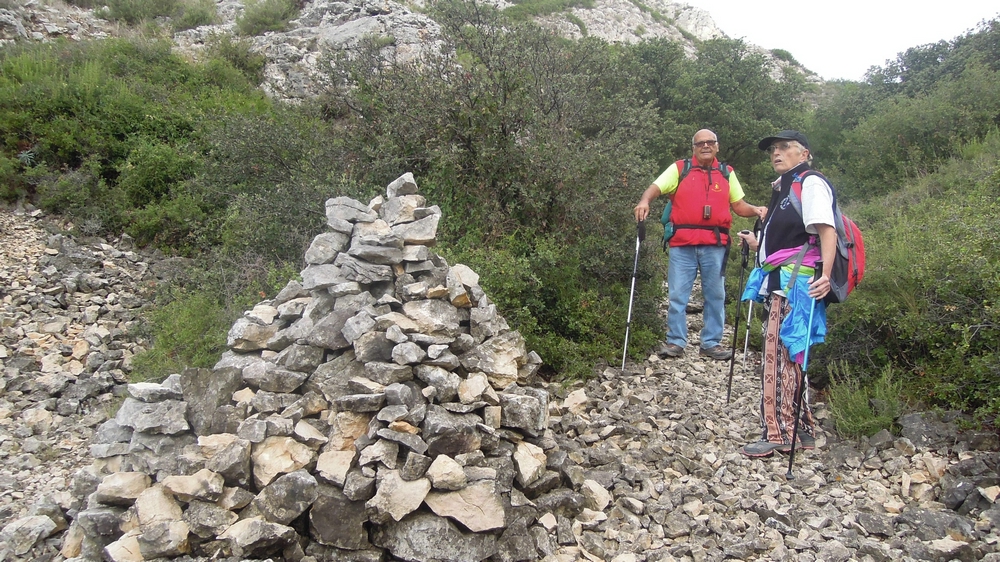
pixel 536 148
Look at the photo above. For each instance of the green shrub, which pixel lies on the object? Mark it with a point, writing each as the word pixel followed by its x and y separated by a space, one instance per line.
pixel 123 120
pixel 176 224
pixel 783 55
pixel 151 169
pixel 932 314
pixel 238 53
pixel 188 331
pixel 526 9
pixel 195 13
pixel 862 409
pixel 260 16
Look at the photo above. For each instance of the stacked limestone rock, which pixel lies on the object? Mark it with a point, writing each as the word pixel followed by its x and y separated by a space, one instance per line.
pixel 380 406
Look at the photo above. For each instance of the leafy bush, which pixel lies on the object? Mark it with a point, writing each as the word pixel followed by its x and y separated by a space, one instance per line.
pixel 152 168
pixel 861 410
pixel 124 118
pixel 272 173
pixel 579 23
pixel 783 55
pixel 910 137
pixel 195 13
pixel 189 331
pixel 260 16
pixel 932 314
pixel 238 52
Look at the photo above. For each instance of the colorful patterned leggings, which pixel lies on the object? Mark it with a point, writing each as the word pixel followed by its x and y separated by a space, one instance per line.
pixel 780 378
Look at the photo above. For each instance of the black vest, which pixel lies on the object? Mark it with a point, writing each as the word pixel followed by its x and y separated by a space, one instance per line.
pixel 783 226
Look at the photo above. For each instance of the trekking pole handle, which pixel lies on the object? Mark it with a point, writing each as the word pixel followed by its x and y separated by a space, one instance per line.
pixel 744 249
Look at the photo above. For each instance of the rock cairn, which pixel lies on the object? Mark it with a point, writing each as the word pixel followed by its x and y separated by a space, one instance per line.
pixel 380 405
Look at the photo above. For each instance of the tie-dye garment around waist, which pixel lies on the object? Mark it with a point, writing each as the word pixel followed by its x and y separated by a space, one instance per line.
pixel 793 331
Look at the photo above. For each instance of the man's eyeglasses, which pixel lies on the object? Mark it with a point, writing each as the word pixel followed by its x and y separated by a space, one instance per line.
pixel 782 146
pixel 705 143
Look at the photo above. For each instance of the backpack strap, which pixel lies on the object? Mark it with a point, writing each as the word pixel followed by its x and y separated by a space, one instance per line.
pixel 684 167
pixel 838 215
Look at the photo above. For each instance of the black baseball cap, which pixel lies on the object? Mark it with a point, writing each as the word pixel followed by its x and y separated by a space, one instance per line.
pixel 787 134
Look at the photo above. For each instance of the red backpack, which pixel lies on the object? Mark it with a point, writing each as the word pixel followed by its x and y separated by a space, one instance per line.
pixel 849 261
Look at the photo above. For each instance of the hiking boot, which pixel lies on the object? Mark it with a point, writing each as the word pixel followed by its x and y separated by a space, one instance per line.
pixel 718 353
pixel 670 350
pixel 762 448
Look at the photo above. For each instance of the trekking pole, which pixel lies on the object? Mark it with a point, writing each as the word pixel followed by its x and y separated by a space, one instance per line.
pixel 746 341
pixel 798 385
pixel 744 256
pixel 635 268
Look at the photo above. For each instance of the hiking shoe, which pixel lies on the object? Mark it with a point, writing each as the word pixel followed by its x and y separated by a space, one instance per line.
pixel 762 448
pixel 718 352
pixel 806 442
pixel 670 350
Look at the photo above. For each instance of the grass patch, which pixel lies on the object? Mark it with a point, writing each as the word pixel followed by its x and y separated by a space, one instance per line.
pixel 136 11
pixel 861 410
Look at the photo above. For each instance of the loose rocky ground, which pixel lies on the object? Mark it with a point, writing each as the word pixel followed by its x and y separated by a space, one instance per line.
pixel 658 440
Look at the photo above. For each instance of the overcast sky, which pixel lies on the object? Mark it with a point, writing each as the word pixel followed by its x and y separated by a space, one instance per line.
pixel 844 38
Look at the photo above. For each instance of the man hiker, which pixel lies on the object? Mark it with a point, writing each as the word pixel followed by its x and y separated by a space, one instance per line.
pixel 702 192
pixel 785 282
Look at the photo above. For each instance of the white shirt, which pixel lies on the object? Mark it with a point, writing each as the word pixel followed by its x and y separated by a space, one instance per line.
pixel 817 208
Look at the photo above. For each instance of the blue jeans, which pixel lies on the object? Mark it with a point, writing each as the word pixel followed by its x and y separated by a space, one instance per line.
pixel 685 263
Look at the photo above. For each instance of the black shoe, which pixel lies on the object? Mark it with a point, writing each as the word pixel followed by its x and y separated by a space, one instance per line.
pixel 718 353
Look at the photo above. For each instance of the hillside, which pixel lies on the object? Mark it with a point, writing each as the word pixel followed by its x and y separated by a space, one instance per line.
pixel 326 26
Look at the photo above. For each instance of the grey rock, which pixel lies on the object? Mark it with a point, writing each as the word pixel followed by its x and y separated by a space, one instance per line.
pixel 335 520
pixel 426 536
pixel 287 497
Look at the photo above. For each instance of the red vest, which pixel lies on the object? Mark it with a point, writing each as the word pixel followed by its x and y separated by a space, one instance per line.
pixel 699 188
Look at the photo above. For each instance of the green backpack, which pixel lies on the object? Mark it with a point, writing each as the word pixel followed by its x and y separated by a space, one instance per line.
pixel 685 166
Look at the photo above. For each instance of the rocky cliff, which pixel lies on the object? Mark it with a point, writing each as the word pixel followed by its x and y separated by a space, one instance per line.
pixel 329 25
